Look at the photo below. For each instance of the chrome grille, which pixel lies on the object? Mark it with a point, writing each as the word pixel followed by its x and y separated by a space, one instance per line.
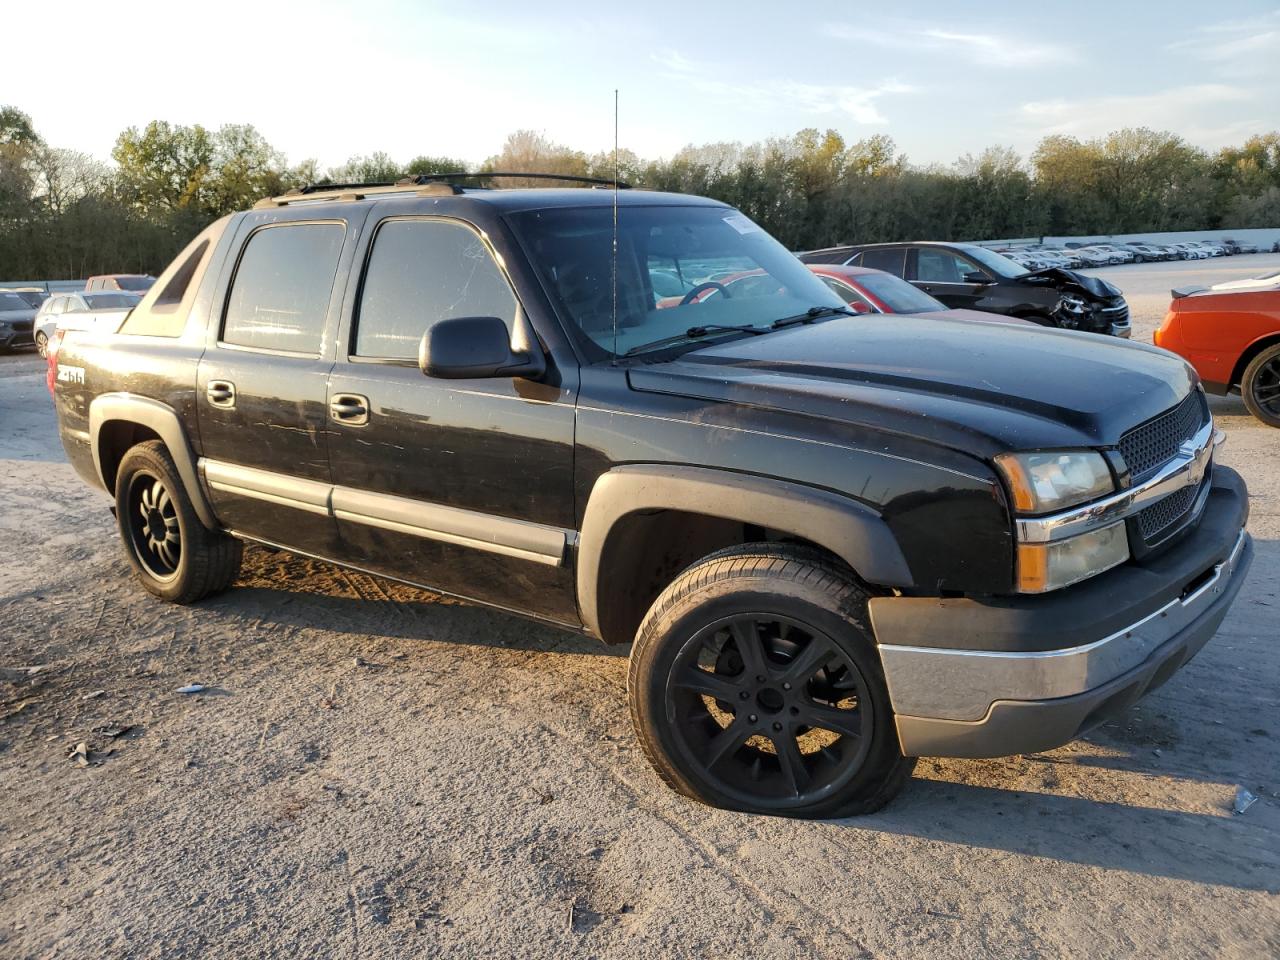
pixel 1153 444
pixel 1163 514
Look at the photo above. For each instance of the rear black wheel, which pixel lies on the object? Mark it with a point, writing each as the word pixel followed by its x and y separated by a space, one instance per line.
pixel 173 554
pixel 1260 386
pixel 754 686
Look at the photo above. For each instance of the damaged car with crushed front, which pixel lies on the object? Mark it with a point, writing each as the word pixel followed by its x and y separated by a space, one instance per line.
pixel 835 542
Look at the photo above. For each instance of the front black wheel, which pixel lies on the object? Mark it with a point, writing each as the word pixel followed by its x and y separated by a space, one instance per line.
pixel 754 686
pixel 172 553
pixel 1260 386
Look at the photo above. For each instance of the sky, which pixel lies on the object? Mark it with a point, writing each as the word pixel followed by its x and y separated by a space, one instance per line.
pixel 329 80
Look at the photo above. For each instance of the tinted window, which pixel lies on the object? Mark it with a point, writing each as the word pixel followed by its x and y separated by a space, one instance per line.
pixel 11 301
pixel 137 284
pixel 940 266
pixel 890 261
pixel 281 289
pixel 420 272
pixel 846 292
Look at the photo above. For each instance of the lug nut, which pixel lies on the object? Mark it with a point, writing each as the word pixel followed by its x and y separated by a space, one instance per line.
pixel 744 695
pixel 760 679
pixel 777 726
pixel 753 718
pixel 786 686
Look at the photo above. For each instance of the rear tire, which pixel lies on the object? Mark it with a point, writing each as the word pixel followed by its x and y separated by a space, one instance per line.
pixel 173 554
pixel 1260 386
pixel 754 685
pixel 42 344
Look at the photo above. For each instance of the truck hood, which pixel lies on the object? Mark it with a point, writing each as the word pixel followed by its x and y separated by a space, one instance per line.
pixel 979 387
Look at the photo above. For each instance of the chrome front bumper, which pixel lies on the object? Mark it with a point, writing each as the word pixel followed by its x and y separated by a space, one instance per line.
pixel 980 703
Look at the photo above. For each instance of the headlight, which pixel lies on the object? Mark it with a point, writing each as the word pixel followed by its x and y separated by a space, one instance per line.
pixel 1045 482
pixel 1050 566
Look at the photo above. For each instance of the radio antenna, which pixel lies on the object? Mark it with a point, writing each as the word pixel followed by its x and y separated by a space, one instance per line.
pixel 614 261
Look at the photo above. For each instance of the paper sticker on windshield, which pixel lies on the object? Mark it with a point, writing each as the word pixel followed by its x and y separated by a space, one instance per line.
pixel 741 223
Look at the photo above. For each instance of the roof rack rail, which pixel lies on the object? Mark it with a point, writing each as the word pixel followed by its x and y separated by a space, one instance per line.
pixel 425 178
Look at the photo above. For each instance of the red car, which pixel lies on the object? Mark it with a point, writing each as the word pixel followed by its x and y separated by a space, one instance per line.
pixel 865 291
pixel 1231 335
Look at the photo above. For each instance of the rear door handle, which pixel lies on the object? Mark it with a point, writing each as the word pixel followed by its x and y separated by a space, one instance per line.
pixel 349 408
pixel 221 393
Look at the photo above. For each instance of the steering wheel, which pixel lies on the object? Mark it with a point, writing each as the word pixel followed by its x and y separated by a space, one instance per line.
pixel 703 287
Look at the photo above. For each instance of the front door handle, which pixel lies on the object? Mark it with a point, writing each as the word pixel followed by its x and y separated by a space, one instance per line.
pixel 349 408
pixel 221 393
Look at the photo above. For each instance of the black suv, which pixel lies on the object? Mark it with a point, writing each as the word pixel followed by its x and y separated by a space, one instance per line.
pixel 835 542
pixel 973 277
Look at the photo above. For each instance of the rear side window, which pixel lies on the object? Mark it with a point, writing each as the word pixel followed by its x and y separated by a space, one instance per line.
pixel 421 272
pixel 890 261
pixel 280 294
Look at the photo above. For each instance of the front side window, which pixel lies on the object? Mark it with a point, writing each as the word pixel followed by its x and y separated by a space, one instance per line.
pixel 941 266
pixel 677 269
pixel 419 273
pixel 280 294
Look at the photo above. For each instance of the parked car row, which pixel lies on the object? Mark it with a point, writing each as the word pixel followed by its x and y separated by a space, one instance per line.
pixel 30 315
pixel 1073 255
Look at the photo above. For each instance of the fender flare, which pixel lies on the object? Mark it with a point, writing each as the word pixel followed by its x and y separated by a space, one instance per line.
pixel 162 419
pixel 849 529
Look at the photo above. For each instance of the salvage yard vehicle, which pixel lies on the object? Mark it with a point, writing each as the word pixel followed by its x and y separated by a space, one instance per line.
pixel 1231 334
pixel 836 542
pixel 966 276
pixel 80 311
pixel 17 317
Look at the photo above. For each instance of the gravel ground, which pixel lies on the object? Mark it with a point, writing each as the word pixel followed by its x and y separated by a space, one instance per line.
pixel 375 771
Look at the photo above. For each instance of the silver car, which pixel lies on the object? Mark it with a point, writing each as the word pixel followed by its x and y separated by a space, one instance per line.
pixel 82 311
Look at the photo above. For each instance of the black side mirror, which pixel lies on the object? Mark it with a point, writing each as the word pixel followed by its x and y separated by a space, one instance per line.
pixel 976 276
pixel 469 348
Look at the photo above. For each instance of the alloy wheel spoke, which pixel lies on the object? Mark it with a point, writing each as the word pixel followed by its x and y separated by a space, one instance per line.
pixel 704 681
pixel 815 654
pixel 726 741
pixel 847 723
pixel 750 648
pixel 791 761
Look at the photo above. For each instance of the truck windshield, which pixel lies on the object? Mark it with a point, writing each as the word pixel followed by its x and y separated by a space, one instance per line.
pixel 678 268
pixel 110 301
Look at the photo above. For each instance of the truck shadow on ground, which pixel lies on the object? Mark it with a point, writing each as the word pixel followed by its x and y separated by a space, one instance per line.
pixel 1238 852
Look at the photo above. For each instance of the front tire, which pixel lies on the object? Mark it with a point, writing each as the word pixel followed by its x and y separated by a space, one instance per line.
pixel 172 553
pixel 1260 386
pixel 754 685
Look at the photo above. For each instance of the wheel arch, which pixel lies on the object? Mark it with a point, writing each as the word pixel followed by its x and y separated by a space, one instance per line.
pixel 1247 355
pixel 635 511
pixel 118 421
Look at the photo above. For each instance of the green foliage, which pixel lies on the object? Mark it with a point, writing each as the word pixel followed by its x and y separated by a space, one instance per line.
pixel 62 214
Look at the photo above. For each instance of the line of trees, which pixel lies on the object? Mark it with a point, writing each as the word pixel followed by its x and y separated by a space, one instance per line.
pixel 65 215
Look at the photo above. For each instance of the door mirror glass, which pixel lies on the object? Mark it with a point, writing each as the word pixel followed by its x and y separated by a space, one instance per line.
pixel 469 348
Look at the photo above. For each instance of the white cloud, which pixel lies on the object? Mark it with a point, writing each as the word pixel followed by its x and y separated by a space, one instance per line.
pixel 986 48
pixel 858 103
pixel 1191 111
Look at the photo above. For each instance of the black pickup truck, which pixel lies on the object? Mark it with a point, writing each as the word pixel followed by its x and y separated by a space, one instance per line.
pixel 836 542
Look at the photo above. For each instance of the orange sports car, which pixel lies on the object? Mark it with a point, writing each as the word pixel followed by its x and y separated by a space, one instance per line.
pixel 1231 334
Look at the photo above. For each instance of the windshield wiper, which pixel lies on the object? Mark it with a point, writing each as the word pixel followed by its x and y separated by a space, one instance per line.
pixel 696 333
pixel 810 315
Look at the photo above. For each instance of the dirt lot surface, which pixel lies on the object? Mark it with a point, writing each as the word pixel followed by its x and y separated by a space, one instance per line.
pixel 376 772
